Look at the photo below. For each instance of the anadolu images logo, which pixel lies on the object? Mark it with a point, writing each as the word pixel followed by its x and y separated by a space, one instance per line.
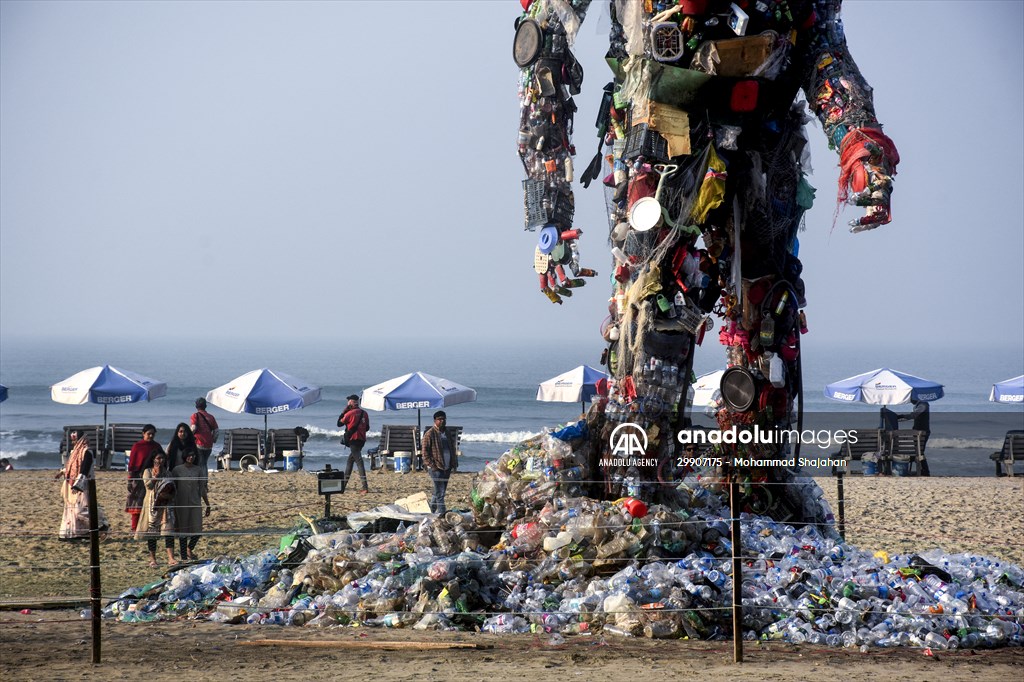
pixel 628 440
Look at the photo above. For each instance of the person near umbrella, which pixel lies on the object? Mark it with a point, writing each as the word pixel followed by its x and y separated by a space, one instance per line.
pixel 139 459
pixel 75 492
pixel 439 458
pixel 190 488
pixel 206 430
pixel 921 417
pixel 183 440
pixel 356 423
pixel 888 420
pixel 157 519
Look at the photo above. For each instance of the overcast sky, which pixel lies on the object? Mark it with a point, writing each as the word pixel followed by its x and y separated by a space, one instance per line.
pixel 340 168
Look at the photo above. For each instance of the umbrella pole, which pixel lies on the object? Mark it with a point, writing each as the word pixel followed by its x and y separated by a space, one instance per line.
pixel 104 444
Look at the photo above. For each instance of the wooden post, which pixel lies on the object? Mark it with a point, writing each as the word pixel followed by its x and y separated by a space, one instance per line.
pixel 94 570
pixel 842 505
pixel 737 568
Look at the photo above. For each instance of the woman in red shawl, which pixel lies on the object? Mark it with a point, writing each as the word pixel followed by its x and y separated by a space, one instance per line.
pixel 140 459
pixel 74 491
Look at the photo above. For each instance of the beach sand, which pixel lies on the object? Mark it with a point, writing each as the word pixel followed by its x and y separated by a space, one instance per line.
pixel 253 510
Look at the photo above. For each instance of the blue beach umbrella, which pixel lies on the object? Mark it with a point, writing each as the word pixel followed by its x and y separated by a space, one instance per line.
pixel 3 393
pixel 415 391
pixel 576 384
pixel 106 385
pixel 1009 391
pixel 264 391
pixel 884 387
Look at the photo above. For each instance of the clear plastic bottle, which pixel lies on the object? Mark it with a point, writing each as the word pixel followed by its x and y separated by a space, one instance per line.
pixel 528 537
pixel 617 630
pixel 934 640
pixel 618 544
pixel 585 526
pixel 662 629
pixel 301 611
pixel 505 623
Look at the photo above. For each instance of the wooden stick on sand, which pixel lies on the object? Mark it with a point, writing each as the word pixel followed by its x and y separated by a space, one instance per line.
pixel 335 644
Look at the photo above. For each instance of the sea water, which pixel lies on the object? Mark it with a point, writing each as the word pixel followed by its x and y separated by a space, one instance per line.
pixel 505 378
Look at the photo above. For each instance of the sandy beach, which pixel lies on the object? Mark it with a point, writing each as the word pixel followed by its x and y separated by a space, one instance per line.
pixel 253 510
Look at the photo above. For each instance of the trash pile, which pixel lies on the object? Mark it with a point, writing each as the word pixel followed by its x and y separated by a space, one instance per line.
pixel 531 556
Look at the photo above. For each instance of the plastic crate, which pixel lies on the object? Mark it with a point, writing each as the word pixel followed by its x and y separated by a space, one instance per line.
pixel 690 319
pixel 533 200
pixel 641 141
pixel 546 209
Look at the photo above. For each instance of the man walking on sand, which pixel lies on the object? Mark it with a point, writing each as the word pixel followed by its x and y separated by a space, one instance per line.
pixel 204 426
pixel 356 423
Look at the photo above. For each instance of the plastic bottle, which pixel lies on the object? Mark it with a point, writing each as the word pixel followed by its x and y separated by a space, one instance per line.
pixel 679 301
pixel 393 620
pixel 934 640
pixel 301 611
pixel 617 630
pixel 527 537
pixel 505 623
pixel 585 526
pixel 618 544
pixel 662 629
pixel 717 578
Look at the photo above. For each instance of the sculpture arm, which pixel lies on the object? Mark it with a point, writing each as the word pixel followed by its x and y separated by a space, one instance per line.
pixel 842 100
pixel 549 77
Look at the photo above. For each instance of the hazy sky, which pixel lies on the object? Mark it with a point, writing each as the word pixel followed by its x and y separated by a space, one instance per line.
pixel 343 169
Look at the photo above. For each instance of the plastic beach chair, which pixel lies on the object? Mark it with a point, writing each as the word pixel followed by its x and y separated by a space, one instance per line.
pixel 239 446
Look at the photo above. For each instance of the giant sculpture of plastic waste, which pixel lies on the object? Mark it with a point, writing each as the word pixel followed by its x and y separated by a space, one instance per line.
pixel 702 155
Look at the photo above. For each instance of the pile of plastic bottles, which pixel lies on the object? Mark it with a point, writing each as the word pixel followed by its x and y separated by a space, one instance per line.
pixel 194 592
pixel 597 569
pixel 533 556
